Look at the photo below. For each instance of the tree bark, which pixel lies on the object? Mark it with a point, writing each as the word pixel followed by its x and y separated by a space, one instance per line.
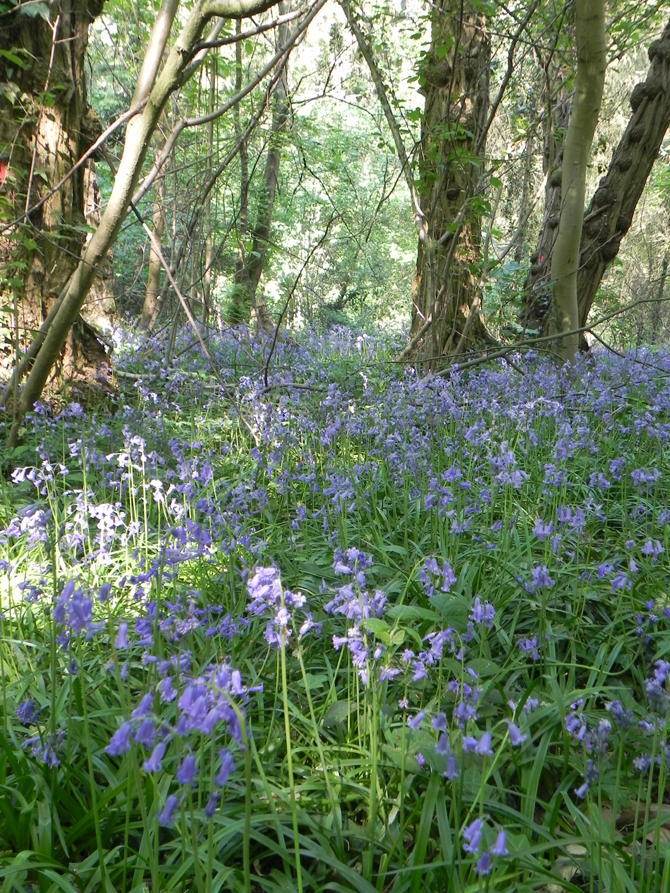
pixel 537 289
pixel 153 292
pixel 239 312
pixel 610 213
pixel 586 102
pixel 455 82
pixel 41 138
pixel 209 239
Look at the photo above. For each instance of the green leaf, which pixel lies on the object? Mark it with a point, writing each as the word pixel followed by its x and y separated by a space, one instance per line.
pixel 337 714
pixel 33 10
pixel 379 628
pixel 12 57
pixel 411 613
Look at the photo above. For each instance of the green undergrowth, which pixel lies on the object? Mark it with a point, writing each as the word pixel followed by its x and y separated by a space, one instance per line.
pixel 375 633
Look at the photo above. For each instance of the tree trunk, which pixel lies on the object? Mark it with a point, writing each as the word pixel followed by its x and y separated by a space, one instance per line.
pixel 239 310
pixel 41 138
pixel 445 292
pixel 537 289
pixel 209 240
pixel 610 213
pixel 656 314
pixel 250 275
pixel 589 85
pixel 153 292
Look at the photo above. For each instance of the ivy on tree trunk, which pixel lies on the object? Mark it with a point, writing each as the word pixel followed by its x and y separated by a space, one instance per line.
pixel 455 82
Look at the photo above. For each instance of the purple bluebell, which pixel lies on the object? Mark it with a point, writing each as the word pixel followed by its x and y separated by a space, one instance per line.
pixel 188 770
pixel 154 763
pixel 27 712
pixel 121 740
pixel 484 746
pixel 529 647
pixel 415 722
pixel 166 691
pixel 472 835
pixel 146 734
pixel 227 766
pixel 576 725
pixel 500 848
pixel 144 707
pixel 592 774
pixel 451 772
pixel 484 865
pixel 483 613
pixel 122 637
pixel 212 803
pixel 166 818
pixel 515 736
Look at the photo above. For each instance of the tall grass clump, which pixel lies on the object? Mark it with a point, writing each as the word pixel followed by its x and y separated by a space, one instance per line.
pixel 348 629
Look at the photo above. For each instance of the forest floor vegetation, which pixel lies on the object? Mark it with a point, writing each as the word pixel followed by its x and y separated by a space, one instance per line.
pixel 339 627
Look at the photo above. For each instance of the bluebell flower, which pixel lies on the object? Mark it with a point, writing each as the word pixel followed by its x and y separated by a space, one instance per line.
pixel 529 647
pixel 144 707
pixel 212 803
pixel 121 740
pixel 500 848
pixel 415 721
pixel 576 725
pixel 483 613
pixel 473 836
pixel 540 578
pixel 166 691
pixel 166 818
pixel 451 772
pixel 154 763
pixel 592 775
pixel 122 637
pixel 623 718
pixel 188 770
pixel 470 743
pixel 515 736
pixel 485 864
pixel 27 712
pixel 146 734
pixel 227 766
pixel 484 746
pixel 542 531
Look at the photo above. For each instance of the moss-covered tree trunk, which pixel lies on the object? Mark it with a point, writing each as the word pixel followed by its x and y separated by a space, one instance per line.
pixel 45 127
pixel 455 81
pixel 537 289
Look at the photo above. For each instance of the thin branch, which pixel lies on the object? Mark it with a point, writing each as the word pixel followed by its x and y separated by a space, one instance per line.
pixel 312 251
pixel 211 44
pixel 217 113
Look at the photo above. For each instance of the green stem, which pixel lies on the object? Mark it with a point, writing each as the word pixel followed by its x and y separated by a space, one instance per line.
pixel 289 757
pixel 322 755
pixel 94 796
